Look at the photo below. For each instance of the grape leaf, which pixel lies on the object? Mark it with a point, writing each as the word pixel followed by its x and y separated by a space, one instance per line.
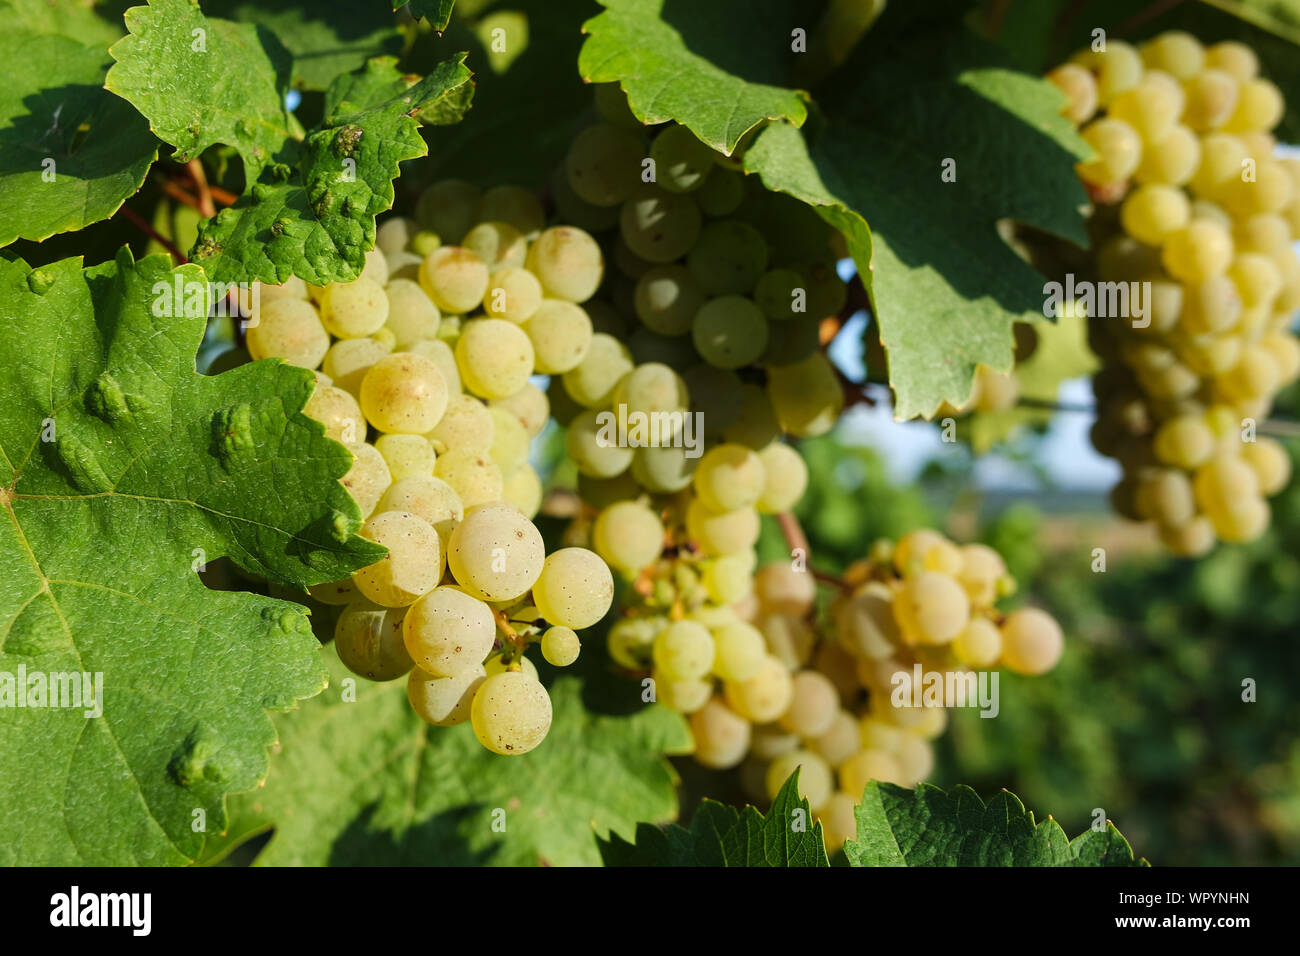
pixel 717 67
pixel 927 827
pixel 368 782
pixel 437 12
pixel 70 152
pixel 922 90
pixel 720 835
pixel 76 19
pixel 123 472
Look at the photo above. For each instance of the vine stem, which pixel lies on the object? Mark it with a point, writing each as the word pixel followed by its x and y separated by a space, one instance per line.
pixel 797 540
pixel 176 192
pixel 206 206
pixel 138 221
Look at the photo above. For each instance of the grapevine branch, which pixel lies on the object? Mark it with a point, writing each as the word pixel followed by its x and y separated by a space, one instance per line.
pixel 797 540
pixel 138 221
pixel 200 178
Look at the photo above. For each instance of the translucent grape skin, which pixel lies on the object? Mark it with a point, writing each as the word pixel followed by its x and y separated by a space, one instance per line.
pixel 729 258
pixel 412 566
pixel 561 334
pixel 443 701
pixel 560 646
pixel 604 163
pixel 682 162
pixel 494 357
pixel 1032 641
pixel 575 588
pixel 448 632
pixel 455 279
pixel 628 535
pixel 368 640
pixel 511 713
pixel 722 736
pixel 660 226
pixel 568 263
pixel 289 329
pixel 729 477
pixel 495 553
pixel 730 332
pixel 404 392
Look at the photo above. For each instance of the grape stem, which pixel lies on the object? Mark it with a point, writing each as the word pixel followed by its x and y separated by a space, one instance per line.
pixel 518 643
pixel 138 221
pixel 206 206
pixel 797 541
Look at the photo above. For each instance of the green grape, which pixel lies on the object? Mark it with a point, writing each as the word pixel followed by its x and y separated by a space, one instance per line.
pixel 674 351
pixel 1255 376
pixel 1211 100
pixel 368 640
pixel 1175 52
pixel 513 205
pixel 868 765
pixel 412 316
pixel 498 244
pixel 449 633
pixel 653 389
pixel 568 263
pixel 721 735
pixel 455 278
pixel 1210 306
pixel 1259 107
pixel 561 334
pixel 739 651
pixel 840 741
pixel 629 264
pixel 730 332
pixel 1198 251
pixel 814 704
pixel 806 396
pixel 560 646
pixel 529 406
pixel 765 696
pixel 407 456
pixel 827 292
pixel 570 208
pixel 495 357
pixel 424 242
pixel 664 469
pixel 730 578
pixel 979 644
pixel 511 713
pixel 523 489
pixel 1150 213
pixel 659 226
pixel 510 443
pixel 467 425
pixel 684 651
pixel 338 412
pixel 1184 442
pixel 591 384
pixel 448 208
pixel 1172 160
pixel 495 553
pixel 1235 59
pixel 289 329
pixel 412 566
pixel 443 701
pixel 756 425
pixel 592 444
pixel 630 640
pixel 1032 641
pixel 1152 107
pixel 667 298
pixel 682 162
pixel 721 193
pixel 784 589
pixel 785 476
pixel 1080 89
pixel 1124 259
pixel 729 258
pixel 1118 68
pixel 789 639
pixel 353 310
pixel 915 759
pixel 717 394
pixel 404 393
pixel 473 475
pixel 681 696
pixel 440 353
pixel 781 294
pixel 729 477
pixel 1165 497
pixel 1221 157
pixel 429 498
pixel 604 163
pixel 932 608
pixel 611 104
pixel 394 234
pixel 721 532
pixel 575 588
pixel 367 479
pixel 1118 148
pixel 629 536
pixel 1256 277
pixel 1270 462
pixel 1245 520
pixel 1284 349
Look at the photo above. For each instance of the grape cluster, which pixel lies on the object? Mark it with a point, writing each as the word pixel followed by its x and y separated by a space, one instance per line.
pixel 1189 198
pixel 424 366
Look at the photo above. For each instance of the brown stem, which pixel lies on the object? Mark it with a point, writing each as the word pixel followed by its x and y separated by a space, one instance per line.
pixel 154 234
pixel 206 205
pixel 223 196
pixel 792 531
pixel 179 194
pixel 834 580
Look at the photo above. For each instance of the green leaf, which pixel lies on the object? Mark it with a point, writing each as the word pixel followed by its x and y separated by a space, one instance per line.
pixel 720 835
pixel 53 110
pixel 927 827
pixel 922 89
pixel 718 67
pixel 202 81
pixel 437 12
pixel 122 471
pixel 319 223
pixel 368 782
pixel 76 19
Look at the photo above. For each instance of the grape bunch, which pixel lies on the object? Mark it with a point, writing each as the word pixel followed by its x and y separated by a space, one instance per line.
pixel 1189 198
pixel 423 367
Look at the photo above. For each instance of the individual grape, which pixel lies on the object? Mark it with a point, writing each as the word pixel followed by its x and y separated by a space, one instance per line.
pixel 560 646
pixel 630 640
pixel 353 310
pixel 729 477
pixel 575 211
pixel 878 733
pixel 1172 160
pixel 981 569
pixel 729 579
pixel 407 456
pixel 721 194
pixel 814 704
pixel 1184 441
pixel 867 765
pixel 448 208
pixel 1175 52
pixel 1284 349
pixel 510 443
pixel 429 498
pixel 393 234
pixel 529 406
pixel 782 589
pixel 412 566
pixel 561 334
pixel 568 263
pixel 423 243
pixel 659 226
pixel 1255 376
pixel 443 701
pixel 455 278
pixel 592 382
pixel 449 633
pixel 367 479
pixel 770 741
pixel 663 470
pixel 495 553
pixel 682 162
pixel 499 244
pixel 1269 192
pixel 806 396
pixel 404 393
pixel 1152 107
pixel 1165 497
pixel 1259 107
pixel 979 644
pixel 412 316
pixel 1211 100
pixel 721 735
pixel 785 476
pixel 1256 278
pixel 739 651
pixel 1118 68
pixel 681 696
pixel 513 205
pixel 1032 641
pixel 495 357
pixel 629 536
pixel 466 426
pixel 755 426
pixel 932 608
pixel 839 821
pixel 592 443
pixel 667 299
pixel 1080 89
pixel 684 651
pixel 1150 213
pixel 656 391
pixel 1119 150
pixel 1244 521
pixel 915 759
pixel 511 713
pixel 368 640
pixel 779 292
pixel 604 163
pixel 440 353
pixel 474 476
pixel 338 412
pixel 840 740
pixel 730 332
pixel 1211 306
pixel 289 329
pixel 765 696
pixel 1235 59
pixel 523 489
pixel 789 639
pixel 1198 251
pixel 575 588
pixel 729 257
pixel 1221 157
pixel 816 782
pixel 512 294
pixel 721 532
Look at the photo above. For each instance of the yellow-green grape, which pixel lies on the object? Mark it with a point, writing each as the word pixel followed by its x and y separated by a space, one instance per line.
pixel 473 475
pixel 1175 52
pixel 721 532
pixel 1080 89
pixel 523 489
pixel 763 697
pixel 495 553
pixel 496 664
pixel 785 477
pixel 1270 191
pixel 367 479
pixel 592 443
pixel 1152 107
pixel 755 424
pixel 1224 480
pixel 495 357
pixel 1235 59
pixel 663 470
pixel 1210 306
pixel 816 782
pixel 1123 258
pixel 1032 641
pixel 1119 150
pixel 806 396
pixel 945 557
pixel 781 294
pixel 455 279
pixel 529 406
pixel 915 759
pixel 981 569
pixel 338 412
pixel 1150 213
pixel 427 497
pixel 412 566
pixel 394 234
pixel 1184 441
pixel 730 332
pixel 1259 107
pixel 1255 376
pixel 1284 349
pixel 514 205
pixel 423 243
pixel 498 244
pixel 721 735
pixel 604 163
pixel 336 593
pixel 979 644
pixel 575 588
pixel 512 294
pixel 879 733
pixel 412 316
pixel 404 393
pixel 386 337
pixel 911 550
pixel 839 741
pixel 1198 251
pixel 839 821
pixel 289 329
pixel 510 443
pixel 667 298
pixel 1211 99
pixel 407 456
pixel 511 713
pixel 1266 232
pixel 729 578
pixel 368 640
pixel 932 608
pixel 443 701
pixel 1256 277
pixel 560 333
pixel 659 226
pixel 1244 521
pixel 1118 68
pixel 814 703
pixel 789 639
pixel 448 633
pixel 729 257
pixel 576 211
pixel 448 207
pixel 932 723
pixel 1165 497
pixel 440 353
pixel 611 105
pixel 292 288
pixel 684 651
pixel 783 589
pixel 629 536
pixel 568 263
pixel 653 389
pixel 1221 164
pixel 721 194
pixel 682 162
pixel 631 639
pixel 466 425
pixel 1172 160
pixel 867 765
pixel 770 741
pixel 560 646
pixel 353 310
pixel 348 360
pixel 739 651
pixel 592 383
pixel 729 477
pixel 681 696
